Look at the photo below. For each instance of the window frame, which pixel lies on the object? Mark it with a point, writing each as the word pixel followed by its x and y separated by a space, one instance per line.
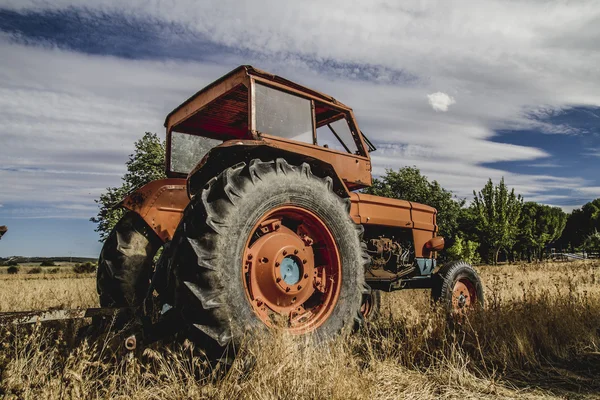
pixel 348 115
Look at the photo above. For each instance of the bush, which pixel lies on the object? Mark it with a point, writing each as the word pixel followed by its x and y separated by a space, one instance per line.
pixel 12 263
pixel 84 268
pixel 465 250
pixel 13 269
pixel 47 263
pixel 35 270
pixel 53 270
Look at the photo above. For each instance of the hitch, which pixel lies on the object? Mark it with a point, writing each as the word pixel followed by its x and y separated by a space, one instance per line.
pixel 141 329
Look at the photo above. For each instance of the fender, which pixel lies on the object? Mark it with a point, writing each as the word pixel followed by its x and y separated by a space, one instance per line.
pixel 234 151
pixel 160 203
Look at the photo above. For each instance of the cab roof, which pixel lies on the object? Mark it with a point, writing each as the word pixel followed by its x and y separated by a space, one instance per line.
pixel 232 79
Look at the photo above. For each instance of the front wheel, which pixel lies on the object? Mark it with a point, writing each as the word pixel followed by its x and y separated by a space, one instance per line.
pixel 268 244
pixel 457 287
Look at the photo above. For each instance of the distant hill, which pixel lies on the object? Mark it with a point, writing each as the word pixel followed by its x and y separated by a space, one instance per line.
pixel 22 260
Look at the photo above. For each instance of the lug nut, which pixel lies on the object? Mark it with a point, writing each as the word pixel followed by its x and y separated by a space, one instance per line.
pixel 304 261
pixel 296 251
pixel 278 280
pixel 287 289
pixel 299 287
pixel 277 264
pixel 285 252
pixel 249 256
pixel 305 276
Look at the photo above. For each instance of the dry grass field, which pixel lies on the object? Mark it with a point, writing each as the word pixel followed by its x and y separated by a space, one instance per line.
pixel 539 337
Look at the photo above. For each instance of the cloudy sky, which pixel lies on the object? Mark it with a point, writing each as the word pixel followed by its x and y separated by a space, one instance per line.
pixel 463 90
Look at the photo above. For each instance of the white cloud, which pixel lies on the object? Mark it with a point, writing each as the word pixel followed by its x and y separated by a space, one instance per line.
pixel 440 101
pixel 592 152
pixel 593 191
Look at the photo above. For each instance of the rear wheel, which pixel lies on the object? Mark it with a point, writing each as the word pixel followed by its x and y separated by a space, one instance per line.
pixel 126 262
pixel 268 244
pixel 458 288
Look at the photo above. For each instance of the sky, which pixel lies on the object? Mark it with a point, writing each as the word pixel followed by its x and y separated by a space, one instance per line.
pixel 465 91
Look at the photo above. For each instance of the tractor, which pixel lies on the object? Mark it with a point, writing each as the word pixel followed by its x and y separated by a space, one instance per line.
pixel 261 222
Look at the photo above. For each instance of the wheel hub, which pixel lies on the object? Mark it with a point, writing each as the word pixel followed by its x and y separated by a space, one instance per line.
pixel 280 275
pixel 291 270
pixel 463 295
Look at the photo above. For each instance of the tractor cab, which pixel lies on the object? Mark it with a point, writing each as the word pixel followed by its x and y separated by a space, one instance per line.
pixel 250 108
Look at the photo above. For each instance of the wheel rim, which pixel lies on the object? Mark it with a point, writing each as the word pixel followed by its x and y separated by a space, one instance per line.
pixel 292 269
pixel 464 295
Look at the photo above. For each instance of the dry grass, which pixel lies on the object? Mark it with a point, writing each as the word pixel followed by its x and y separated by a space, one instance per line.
pixel 23 292
pixel 538 338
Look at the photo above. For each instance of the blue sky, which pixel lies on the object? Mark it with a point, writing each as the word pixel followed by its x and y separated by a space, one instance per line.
pixel 464 93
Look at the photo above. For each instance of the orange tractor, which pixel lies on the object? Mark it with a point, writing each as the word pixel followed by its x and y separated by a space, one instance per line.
pixel 261 221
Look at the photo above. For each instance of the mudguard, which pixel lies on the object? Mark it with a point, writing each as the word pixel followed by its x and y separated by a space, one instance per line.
pixel 160 203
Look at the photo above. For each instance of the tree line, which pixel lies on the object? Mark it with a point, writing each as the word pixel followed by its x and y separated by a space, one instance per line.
pixel 497 225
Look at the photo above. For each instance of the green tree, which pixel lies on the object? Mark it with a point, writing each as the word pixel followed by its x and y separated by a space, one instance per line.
pixel 581 223
pixel 409 184
pixel 592 241
pixel 146 164
pixel 497 211
pixel 539 226
pixel 464 249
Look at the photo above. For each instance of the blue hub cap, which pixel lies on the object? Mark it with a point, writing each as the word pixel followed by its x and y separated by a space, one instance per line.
pixel 291 270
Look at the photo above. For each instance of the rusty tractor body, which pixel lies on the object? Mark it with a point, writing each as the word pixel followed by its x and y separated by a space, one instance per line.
pixel 260 219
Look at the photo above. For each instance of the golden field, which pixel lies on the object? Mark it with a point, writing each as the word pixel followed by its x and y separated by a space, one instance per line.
pixel 539 337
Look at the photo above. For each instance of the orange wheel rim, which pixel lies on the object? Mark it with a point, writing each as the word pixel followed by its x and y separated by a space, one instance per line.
pixel 292 269
pixel 464 295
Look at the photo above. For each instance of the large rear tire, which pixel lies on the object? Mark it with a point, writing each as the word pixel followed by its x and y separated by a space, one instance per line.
pixel 265 244
pixel 125 264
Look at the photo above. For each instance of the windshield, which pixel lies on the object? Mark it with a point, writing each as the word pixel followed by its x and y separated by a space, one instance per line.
pixel 337 136
pixel 188 150
pixel 282 114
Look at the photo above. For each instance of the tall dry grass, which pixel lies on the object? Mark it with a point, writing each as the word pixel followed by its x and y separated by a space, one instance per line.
pixel 539 337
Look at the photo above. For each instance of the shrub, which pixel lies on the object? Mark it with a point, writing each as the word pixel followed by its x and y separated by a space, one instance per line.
pixel 35 270
pixel 84 268
pixel 53 270
pixel 464 250
pixel 47 263
pixel 13 269
pixel 12 263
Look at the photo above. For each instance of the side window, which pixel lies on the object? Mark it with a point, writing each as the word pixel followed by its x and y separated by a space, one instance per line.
pixel 188 150
pixel 282 114
pixel 337 136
